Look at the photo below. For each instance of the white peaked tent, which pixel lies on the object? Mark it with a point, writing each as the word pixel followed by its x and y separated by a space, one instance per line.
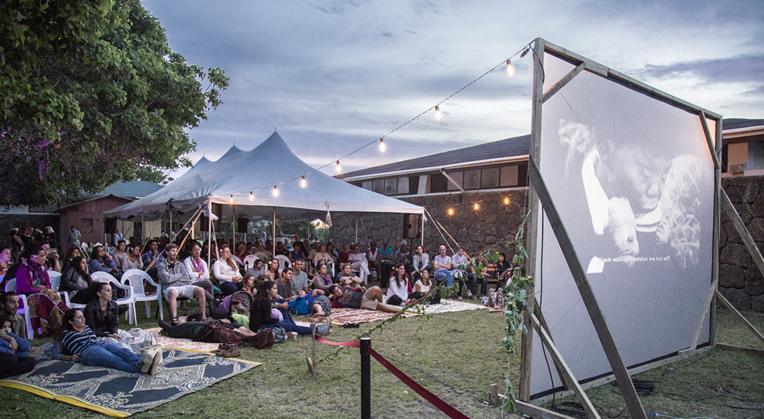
pixel 238 172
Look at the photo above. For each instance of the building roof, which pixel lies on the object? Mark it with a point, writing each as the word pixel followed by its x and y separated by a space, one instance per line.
pixel 131 190
pixel 506 148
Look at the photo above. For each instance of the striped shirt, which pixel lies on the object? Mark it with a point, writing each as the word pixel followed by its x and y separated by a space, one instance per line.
pixel 76 342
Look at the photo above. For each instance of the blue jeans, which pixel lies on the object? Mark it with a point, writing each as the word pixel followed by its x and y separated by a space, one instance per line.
pixel 444 275
pixel 111 356
pixel 291 327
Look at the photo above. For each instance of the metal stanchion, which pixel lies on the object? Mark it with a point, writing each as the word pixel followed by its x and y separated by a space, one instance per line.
pixel 365 379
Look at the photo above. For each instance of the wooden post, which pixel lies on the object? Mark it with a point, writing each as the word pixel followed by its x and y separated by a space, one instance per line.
pixel 587 295
pixel 493 394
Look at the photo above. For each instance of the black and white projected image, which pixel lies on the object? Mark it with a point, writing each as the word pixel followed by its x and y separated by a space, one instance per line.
pixel 641 198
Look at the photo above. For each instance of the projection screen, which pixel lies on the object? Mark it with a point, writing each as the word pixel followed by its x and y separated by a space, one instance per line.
pixel 633 180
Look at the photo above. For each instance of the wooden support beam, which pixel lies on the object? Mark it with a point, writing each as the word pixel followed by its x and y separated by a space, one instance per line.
pixel 587 295
pixel 563 81
pixel 545 326
pixel 706 308
pixel 709 140
pixel 534 411
pixel 742 317
pixel 737 222
pixel 567 374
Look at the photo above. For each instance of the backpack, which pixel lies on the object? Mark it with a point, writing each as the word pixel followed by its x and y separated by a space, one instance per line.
pixel 298 307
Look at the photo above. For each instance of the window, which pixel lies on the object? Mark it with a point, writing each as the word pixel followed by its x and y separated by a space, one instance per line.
pixel 509 175
pixel 403 185
pixel 366 184
pixel 378 186
pixel 391 186
pixel 471 179
pixel 458 177
pixel 489 178
pixel 438 183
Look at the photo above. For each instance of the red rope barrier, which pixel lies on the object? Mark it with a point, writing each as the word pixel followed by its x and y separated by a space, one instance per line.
pixel 433 399
pixel 354 344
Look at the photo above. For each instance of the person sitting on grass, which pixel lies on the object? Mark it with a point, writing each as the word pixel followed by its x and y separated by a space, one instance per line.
pixel 262 315
pixel 322 281
pixel 80 344
pixel 102 314
pixel 399 287
pixel 14 352
pixel 346 278
pixel 369 299
pixel 177 282
pixel 272 274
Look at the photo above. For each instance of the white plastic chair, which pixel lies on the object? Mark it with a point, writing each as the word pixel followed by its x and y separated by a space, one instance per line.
pixel 283 261
pixel 55 280
pixel 126 300
pixel 237 260
pixel 249 261
pixel 134 278
pixel 11 286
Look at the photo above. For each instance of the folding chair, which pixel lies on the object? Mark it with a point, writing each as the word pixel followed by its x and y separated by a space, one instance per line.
pixel 134 278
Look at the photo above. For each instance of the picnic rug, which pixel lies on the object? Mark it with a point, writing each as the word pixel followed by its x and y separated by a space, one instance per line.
pixel 342 316
pixel 121 394
pixel 185 344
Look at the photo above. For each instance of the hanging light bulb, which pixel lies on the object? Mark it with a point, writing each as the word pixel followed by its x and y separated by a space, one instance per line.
pixel 476 206
pixel 230 200
pixel 382 146
pixel 275 190
pixel 251 197
pixel 438 116
pixel 303 182
pixel 338 168
pixel 510 69
pixel 506 201
pixel 450 211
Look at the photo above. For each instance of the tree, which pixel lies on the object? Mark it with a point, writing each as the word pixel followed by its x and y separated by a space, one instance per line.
pixel 90 92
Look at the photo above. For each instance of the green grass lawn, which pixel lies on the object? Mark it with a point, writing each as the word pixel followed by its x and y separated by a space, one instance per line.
pixel 454 355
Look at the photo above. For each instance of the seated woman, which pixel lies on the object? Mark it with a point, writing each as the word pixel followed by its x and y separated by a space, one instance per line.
pixel 103 262
pixel 272 274
pixel 134 259
pixel 77 282
pixel 297 253
pixel 120 254
pixel 226 272
pixel 71 253
pixel 261 314
pixel 321 279
pixel 102 314
pixel 45 306
pixel 241 250
pixel 504 267
pixel 398 290
pixel 421 260
pixel 14 353
pixel 80 344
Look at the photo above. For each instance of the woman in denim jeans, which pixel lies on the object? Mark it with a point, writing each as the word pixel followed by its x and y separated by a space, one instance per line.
pixel 81 345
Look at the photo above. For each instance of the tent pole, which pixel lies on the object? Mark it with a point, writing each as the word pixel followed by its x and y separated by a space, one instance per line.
pixel 209 232
pixel 143 235
pixel 356 228
pixel 422 231
pixel 273 241
pixel 169 228
pixel 233 241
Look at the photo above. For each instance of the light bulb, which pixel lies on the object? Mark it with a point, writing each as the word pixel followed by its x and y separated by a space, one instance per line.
pixel 251 197
pixel 438 116
pixel 303 182
pixel 275 190
pixel 450 211
pixel 382 146
pixel 510 69
pixel 230 200
pixel 338 168
pixel 506 201
pixel 476 206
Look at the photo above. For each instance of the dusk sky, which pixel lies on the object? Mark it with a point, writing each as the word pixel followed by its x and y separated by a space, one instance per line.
pixel 331 76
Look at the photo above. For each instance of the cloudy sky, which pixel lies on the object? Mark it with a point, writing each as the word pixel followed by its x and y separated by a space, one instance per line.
pixel 331 76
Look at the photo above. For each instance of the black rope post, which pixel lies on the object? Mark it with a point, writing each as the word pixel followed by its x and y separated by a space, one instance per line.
pixel 365 379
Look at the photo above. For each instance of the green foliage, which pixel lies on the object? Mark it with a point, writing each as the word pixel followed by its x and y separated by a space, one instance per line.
pixel 90 90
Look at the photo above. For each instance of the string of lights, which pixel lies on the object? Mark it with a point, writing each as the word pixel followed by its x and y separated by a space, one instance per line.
pixel 510 70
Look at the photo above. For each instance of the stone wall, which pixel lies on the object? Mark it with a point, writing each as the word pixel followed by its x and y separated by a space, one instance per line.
pixel 490 227
pixel 739 279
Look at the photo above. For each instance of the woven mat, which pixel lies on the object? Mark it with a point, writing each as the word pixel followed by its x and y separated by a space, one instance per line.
pixel 341 316
pixel 184 344
pixel 121 394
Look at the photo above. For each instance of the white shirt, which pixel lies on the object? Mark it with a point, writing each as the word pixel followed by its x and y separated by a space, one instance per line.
pixel 223 271
pixel 399 290
pixel 195 275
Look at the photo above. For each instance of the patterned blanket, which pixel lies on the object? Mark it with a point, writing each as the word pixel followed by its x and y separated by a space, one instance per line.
pixel 185 344
pixel 121 394
pixel 341 316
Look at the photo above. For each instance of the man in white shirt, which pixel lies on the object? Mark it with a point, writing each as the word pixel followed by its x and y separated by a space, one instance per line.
pixel 198 271
pixel 359 263
pixel 442 265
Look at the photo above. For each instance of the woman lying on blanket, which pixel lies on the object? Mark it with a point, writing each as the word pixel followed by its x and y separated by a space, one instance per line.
pixel 261 315
pixel 369 299
pixel 192 327
pixel 80 344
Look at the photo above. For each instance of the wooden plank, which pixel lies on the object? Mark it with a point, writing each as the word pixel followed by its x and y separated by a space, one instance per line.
pixel 709 300
pixel 742 317
pixel 567 374
pixel 740 348
pixel 563 81
pixel 737 222
pixel 587 295
pixel 526 351
pixel 542 320
pixel 538 412
pixel 709 140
